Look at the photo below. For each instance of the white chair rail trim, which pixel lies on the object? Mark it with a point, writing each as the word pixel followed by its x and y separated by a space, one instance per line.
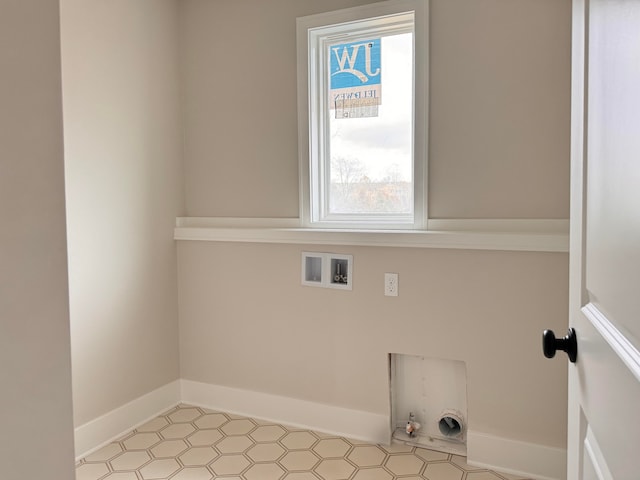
pixel 536 235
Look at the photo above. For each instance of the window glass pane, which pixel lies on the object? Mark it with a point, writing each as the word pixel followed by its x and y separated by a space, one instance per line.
pixel 371 158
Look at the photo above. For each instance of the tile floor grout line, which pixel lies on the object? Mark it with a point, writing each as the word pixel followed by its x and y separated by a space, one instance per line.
pixel 194 443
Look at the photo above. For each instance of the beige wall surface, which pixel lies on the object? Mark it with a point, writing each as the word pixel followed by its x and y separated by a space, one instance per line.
pixel 247 322
pixel 239 104
pixel 35 405
pixel 123 143
pixel 499 148
pixel 499 113
pixel 500 106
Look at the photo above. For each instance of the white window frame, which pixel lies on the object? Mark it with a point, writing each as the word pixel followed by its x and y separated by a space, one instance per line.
pixel 309 120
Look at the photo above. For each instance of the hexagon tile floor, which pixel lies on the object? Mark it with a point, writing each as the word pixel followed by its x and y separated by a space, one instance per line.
pixel 192 443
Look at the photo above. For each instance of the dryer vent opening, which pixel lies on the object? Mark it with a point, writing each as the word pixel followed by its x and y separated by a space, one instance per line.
pixel 450 427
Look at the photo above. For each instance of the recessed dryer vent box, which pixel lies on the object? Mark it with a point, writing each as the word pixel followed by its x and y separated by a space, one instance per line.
pixel 327 270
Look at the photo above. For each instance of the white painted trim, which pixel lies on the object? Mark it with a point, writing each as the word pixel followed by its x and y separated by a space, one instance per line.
pixel 503 455
pixel 100 431
pixel 514 457
pixel 596 457
pixel 473 234
pixel 234 222
pixel 500 225
pixel 356 424
pixel 620 344
pixel 478 225
pixel 577 214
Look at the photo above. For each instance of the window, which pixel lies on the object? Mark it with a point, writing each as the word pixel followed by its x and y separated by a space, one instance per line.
pixel 362 97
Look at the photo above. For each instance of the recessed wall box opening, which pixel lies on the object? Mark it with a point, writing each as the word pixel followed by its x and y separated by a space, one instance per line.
pixel 340 271
pixel 328 270
pixel 312 269
pixel 429 402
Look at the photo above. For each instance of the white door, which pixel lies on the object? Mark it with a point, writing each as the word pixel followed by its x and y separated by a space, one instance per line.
pixel 604 383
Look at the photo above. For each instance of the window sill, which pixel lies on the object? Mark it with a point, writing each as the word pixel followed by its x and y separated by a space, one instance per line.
pixel 476 234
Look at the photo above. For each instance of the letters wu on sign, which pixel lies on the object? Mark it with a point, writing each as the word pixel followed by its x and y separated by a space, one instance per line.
pixel 355 84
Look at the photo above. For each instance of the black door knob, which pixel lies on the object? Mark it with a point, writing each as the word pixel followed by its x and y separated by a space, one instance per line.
pixel 551 344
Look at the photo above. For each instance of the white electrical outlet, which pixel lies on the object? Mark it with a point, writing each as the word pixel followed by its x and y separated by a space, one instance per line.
pixel 391 284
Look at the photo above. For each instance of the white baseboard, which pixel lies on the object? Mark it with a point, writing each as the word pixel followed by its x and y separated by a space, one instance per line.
pixel 100 431
pixel 356 424
pixel 503 455
pixel 529 460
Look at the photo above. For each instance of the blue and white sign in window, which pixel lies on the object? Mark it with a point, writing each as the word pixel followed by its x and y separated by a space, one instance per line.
pixel 355 79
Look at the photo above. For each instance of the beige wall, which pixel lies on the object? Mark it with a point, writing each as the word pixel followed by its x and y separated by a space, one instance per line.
pixel 246 322
pixel 500 98
pixel 239 103
pixel 499 116
pixel 35 405
pixel 499 149
pixel 123 143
